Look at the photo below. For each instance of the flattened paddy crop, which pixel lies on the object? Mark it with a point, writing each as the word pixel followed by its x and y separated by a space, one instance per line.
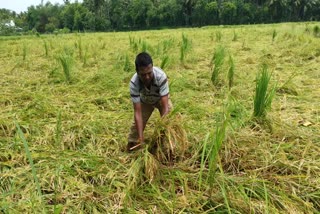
pixel 65 112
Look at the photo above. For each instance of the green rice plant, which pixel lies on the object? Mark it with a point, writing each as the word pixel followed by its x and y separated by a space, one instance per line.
pixel 46 48
pixel 66 63
pixel 167 45
pixel 266 196
pixel 144 46
pixel 185 47
pixel 80 47
pixel 231 72
pixel 213 153
pixel 85 57
pixel 164 62
pixel 126 63
pixel 133 44
pixel 235 36
pixel 274 34
pixel 223 188
pixel 263 97
pixel 217 60
pixel 57 138
pixel 28 154
pixel 210 151
pixel 218 36
pixel 316 31
pixel 24 51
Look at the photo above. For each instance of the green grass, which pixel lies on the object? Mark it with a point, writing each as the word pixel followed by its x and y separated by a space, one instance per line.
pixel 68 154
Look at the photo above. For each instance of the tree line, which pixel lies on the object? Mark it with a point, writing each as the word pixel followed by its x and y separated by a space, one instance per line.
pixel 110 15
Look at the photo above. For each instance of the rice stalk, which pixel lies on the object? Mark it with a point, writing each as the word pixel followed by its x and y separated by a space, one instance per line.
pixel 274 34
pixel 169 140
pixel 164 62
pixel 151 166
pixel 126 64
pixel 217 60
pixel 231 72
pixel 214 149
pixel 46 48
pixel 58 136
pixel 144 46
pixel 223 189
pixel 185 47
pixel 80 49
pixel 167 44
pixel 266 197
pixel 135 174
pixel 263 97
pixel 133 44
pixel 316 31
pixel 66 63
pixel 28 154
pixel 85 57
pixel 218 36
pixel 203 160
pixel 24 51
pixel 235 36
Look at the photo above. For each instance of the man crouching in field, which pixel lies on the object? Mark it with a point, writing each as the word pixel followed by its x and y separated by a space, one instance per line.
pixel 149 89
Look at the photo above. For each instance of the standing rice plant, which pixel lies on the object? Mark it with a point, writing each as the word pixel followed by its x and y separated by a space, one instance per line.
pixel 210 151
pixel 164 62
pixel 217 60
pixel 215 147
pixel 80 47
pixel 133 44
pixel 144 46
pixel 274 34
pixel 167 44
pixel 85 57
pixel 46 48
pixel 263 97
pixel 126 63
pixel 231 72
pixel 66 63
pixel 316 31
pixel 185 47
pixel 28 154
pixel 218 36
pixel 235 36
pixel 24 51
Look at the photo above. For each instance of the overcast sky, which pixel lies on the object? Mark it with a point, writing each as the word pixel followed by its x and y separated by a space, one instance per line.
pixel 22 5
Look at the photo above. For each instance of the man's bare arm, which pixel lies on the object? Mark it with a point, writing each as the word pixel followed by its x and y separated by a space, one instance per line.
pixel 138 120
pixel 164 105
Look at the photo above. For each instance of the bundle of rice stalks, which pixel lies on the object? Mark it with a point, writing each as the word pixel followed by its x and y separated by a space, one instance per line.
pixel 169 140
pixel 143 169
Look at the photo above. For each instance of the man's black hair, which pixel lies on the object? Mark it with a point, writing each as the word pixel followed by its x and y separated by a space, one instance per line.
pixel 143 60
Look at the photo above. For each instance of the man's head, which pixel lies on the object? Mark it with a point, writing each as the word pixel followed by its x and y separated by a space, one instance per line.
pixel 144 68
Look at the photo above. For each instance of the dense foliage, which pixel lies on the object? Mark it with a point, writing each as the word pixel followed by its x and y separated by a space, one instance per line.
pixel 109 15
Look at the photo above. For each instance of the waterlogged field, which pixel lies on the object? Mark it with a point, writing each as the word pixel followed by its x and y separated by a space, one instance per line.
pixel 66 112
